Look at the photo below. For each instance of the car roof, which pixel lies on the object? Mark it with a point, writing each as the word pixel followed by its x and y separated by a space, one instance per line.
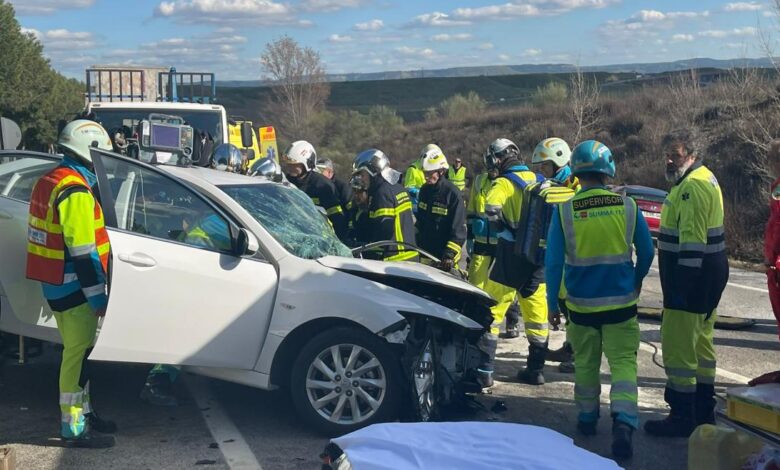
pixel 211 176
pixel 638 190
pixel 155 105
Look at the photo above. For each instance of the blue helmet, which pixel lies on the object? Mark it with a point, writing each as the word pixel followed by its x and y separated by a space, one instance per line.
pixel 592 156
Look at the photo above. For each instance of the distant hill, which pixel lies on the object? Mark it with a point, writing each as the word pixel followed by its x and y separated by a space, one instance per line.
pixel 499 70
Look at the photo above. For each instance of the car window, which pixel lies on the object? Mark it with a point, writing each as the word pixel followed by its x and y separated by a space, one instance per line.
pixel 18 175
pixel 149 203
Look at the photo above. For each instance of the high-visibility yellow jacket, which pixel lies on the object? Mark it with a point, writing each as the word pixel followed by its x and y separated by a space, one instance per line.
pixel 691 247
pixel 458 177
pixel 478 226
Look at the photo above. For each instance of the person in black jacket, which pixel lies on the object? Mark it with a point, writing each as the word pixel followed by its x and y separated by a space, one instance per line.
pixel 298 164
pixel 389 207
pixel 343 189
pixel 441 213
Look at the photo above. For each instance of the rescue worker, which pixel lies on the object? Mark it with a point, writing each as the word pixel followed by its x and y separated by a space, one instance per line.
pixel 68 251
pixel 359 231
pixel 481 244
pixel 414 178
pixel 457 174
pixel 593 236
pixel 551 159
pixel 503 207
pixel 298 164
pixel 694 271
pixel 343 188
pixel 772 232
pixel 389 207
pixel 441 214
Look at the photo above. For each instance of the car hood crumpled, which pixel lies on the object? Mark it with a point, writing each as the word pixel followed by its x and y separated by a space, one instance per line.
pixel 416 272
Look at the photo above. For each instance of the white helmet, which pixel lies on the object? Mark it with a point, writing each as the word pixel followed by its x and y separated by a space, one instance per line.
pixel 78 136
pixel 554 150
pixel 301 152
pixel 499 151
pixel 433 158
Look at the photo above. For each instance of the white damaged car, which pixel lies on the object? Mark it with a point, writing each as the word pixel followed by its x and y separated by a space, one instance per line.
pixel 284 305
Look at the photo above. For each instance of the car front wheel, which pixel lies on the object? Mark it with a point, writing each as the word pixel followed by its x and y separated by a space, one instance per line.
pixel 345 379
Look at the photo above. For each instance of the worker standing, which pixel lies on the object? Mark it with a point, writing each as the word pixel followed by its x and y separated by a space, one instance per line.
pixel 551 157
pixel 389 208
pixel 343 189
pixel 503 208
pixel 590 243
pixel 414 178
pixel 457 174
pixel 441 213
pixel 694 272
pixel 68 251
pixel 481 244
pixel 772 233
pixel 298 164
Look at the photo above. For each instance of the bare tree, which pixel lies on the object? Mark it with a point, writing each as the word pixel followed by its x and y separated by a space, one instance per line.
pixel 298 82
pixel 687 100
pixel 584 99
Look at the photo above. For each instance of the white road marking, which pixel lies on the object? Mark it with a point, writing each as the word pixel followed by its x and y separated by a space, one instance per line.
pixel 231 443
pixel 721 372
pixel 734 284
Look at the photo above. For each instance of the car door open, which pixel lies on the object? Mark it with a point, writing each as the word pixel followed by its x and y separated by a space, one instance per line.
pixel 177 294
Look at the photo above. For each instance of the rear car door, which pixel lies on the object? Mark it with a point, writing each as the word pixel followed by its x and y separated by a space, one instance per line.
pixel 23 310
pixel 177 298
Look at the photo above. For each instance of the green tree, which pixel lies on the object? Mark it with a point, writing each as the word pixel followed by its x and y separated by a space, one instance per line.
pixel 31 92
pixel 552 93
pixel 459 106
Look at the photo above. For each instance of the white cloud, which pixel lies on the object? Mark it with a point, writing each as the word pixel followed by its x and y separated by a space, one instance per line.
pixel 225 12
pixel 436 19
pixel 503 57
pixel 648 23
pixel 531 52
pixel 743 6
pixel 682 38
pixel 486 46
pixel 330 5
pixel 47 7
pixel 528 8
pixel 337 38
pixel 63 40
pixel 718 33
pixel 415 52
pixel 373 25
pixel 452 37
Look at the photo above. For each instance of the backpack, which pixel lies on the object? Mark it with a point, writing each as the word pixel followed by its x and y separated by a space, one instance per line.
pixel 539 200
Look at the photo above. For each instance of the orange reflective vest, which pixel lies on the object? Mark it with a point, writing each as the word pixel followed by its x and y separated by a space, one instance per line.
pixel 45 241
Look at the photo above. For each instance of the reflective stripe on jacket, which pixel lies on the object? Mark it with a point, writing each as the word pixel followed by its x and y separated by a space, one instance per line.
pixel 478 227
pixel 691 246
pixel 441 220
pixel 67 243
pixel 390 218
pixel 598 228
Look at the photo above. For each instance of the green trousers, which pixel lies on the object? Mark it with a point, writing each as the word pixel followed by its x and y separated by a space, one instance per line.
pixel 619 342
pixel 77 327
pixel 688 351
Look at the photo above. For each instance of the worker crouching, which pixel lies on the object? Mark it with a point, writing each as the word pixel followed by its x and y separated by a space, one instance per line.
pixel 590 241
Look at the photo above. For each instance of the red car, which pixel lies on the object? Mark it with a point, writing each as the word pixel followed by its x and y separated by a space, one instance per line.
pixel 648 200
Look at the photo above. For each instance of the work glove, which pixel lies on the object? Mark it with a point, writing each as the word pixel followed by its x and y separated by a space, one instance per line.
pixel 554 317
pixel 447 264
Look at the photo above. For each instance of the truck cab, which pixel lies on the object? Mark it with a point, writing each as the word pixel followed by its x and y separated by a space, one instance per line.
pixel 122 98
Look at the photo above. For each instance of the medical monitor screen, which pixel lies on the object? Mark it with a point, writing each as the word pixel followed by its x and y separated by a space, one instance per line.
pixel 164 136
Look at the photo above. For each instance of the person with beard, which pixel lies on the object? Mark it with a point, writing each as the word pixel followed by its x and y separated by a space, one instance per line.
pixel 388 206
pixel 694 272
pixel 298 164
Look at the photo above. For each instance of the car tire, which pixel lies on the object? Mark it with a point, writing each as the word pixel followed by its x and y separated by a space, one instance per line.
pixel 350 401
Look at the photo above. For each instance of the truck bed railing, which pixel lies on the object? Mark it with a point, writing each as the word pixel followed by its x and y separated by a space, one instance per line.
pixel 115 85
pixel 187 87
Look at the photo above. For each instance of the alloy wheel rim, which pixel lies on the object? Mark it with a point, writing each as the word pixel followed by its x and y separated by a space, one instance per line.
pixel 346 384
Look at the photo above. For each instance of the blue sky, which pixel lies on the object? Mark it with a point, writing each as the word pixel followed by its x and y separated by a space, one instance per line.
pixel 228 36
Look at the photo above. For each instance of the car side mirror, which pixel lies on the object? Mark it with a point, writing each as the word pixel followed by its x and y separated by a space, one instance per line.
pixel 246 243
pixel 246 135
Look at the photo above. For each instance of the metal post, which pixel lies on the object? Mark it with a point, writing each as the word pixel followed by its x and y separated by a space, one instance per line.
pixel 21 349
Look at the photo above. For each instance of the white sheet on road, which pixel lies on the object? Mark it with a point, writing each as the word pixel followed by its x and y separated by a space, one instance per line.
pixel 467 445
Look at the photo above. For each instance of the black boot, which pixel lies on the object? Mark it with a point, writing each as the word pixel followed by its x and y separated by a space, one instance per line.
pixel 533 374
pixel 88 440
pixel 705 404
pixel 512 331
pixel 587 428
pixel 680 422
pixel 158 390
pixel 563 354
pixel 621 440
pixel 96 423
pixel 512 320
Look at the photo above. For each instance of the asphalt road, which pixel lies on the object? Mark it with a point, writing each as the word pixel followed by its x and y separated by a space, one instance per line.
pixel 222 425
